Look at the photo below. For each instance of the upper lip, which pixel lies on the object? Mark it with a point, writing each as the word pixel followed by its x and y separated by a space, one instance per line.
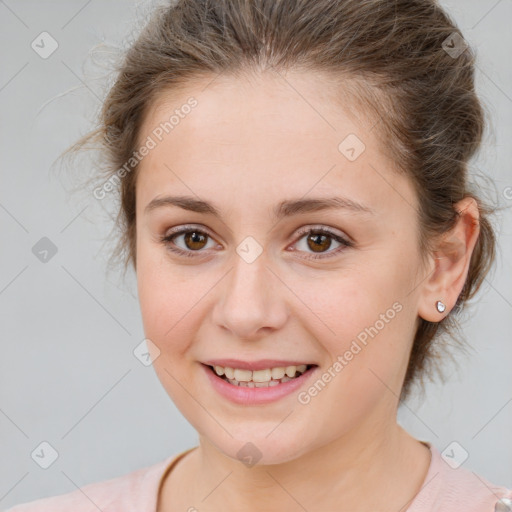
pixel 260 364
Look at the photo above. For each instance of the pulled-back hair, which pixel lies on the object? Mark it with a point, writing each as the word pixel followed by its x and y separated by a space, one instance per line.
pixel 402 61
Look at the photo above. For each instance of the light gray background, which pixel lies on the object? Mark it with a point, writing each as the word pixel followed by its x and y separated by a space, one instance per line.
pixel 68 328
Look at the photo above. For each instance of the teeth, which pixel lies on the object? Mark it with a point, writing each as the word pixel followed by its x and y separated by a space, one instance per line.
pixel 243 375
pixel 259 378
pixel 278 373
pixel 261 375
pixel 290 371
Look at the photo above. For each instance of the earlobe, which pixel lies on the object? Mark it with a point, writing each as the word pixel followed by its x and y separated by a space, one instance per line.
pixel 452 257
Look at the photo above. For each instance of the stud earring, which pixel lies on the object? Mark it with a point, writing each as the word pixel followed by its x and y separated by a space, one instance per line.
pixel 440 306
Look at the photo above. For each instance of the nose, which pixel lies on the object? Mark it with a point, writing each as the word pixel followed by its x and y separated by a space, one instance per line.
pixel 251 301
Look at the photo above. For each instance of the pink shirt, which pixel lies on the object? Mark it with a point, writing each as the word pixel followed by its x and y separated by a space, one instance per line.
pixel 444 490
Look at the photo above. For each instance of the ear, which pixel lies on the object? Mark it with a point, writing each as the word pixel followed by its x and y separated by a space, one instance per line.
pixel 451 260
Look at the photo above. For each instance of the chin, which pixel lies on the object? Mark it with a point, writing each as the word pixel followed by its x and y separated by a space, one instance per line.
pixel 261 449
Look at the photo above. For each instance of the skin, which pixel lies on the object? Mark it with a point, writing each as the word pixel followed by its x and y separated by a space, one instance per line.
pixel 246 146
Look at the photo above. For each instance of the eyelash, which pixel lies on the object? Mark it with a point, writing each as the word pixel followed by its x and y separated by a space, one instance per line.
pixel 167 240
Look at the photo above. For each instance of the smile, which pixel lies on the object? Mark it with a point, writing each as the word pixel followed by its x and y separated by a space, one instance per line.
pixel 266 382
pixel 267 377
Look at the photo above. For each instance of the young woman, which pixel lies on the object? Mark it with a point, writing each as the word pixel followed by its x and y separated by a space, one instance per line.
pixel 295 203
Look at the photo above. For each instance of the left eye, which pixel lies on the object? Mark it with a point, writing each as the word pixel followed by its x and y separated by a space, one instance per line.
pixel 320 238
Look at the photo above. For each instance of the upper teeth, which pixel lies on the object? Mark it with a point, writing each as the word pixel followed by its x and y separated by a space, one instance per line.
pixel 260 375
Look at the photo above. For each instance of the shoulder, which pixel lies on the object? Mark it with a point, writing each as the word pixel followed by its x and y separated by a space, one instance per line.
pixel 449 486
pixel 135 490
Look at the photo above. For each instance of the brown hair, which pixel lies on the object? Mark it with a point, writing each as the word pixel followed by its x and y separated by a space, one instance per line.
pixel 422 95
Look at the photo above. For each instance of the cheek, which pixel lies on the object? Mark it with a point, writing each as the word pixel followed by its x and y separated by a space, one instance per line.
pixel 165 298
pixel 167 309
pixel 367 322
pixel 351 300
pixel 368 357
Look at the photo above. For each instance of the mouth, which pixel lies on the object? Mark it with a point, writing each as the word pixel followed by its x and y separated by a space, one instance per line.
pixel 263 378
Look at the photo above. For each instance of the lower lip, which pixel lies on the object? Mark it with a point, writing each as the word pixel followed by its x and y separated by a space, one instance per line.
pixel 249 396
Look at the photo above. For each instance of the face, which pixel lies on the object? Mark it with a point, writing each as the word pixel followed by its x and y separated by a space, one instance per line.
pixel 332 288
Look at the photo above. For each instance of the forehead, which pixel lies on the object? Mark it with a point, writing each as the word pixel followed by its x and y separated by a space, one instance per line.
pixel 258 134
pixel 269 103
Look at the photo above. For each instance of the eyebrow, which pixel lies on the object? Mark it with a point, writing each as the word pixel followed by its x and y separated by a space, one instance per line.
pixel 286 208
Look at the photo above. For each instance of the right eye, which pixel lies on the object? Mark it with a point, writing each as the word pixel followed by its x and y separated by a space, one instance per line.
pixel 193 239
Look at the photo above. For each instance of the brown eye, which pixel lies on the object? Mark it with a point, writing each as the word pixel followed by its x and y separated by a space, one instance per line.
pixel 319 242
pixel 195 240
pixel 192 241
